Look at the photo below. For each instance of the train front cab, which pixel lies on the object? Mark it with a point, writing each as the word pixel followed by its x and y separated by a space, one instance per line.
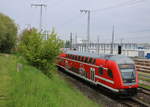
pixel 127 77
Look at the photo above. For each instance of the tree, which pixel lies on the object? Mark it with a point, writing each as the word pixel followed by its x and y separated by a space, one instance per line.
pixel 38 51
pixel 8 34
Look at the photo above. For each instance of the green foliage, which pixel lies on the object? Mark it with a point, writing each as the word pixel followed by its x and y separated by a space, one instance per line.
pixel 8 34
pixel 39 52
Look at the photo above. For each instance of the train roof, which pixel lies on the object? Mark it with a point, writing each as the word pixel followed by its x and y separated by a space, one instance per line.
pixel 120 59
pixel 86 54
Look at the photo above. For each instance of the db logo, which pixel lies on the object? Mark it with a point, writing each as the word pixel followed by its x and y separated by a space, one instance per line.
pixel 82 71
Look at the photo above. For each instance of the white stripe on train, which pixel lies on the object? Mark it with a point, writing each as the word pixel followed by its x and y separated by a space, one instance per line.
pixel 113 89
pixel 110 81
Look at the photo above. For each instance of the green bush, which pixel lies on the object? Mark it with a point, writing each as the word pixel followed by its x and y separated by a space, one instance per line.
pixel 8 34
pixel 39 52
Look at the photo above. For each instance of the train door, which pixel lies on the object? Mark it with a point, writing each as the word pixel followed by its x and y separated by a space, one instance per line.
pixel 92 74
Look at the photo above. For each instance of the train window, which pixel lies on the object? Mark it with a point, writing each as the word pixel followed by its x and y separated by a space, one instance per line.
pixel 86 59
pixel 79 57
pixel 100 71
pixel 76 57
pixel 93 62
pixel 90 60
pixel 110 74
pixel 72 56
pixel 82 58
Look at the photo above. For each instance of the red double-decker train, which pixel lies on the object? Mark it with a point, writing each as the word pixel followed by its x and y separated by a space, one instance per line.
pixel 114 72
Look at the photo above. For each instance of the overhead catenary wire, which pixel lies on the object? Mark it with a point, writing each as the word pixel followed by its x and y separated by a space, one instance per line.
pixel 71 20
pixel 137 31
pixel 119 5
pixel 127 3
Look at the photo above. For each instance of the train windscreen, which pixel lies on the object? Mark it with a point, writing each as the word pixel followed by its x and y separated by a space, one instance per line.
pixel 128 73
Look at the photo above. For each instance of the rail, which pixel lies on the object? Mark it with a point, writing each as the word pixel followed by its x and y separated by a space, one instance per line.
pixel 145 91
pixel 142 65
pixel 134 102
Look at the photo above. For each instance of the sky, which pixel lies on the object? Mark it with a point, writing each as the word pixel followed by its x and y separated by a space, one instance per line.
pixel 131 18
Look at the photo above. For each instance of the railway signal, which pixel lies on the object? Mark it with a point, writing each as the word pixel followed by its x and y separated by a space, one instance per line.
pixel 119 49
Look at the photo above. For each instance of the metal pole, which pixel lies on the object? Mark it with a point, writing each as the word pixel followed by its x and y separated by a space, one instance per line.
pixel 41 13
pixel 40 19
pixel 88 28
pixel 76 41
pixel 98 44
pixel 71 41
pixel 112 44
pixel 104 47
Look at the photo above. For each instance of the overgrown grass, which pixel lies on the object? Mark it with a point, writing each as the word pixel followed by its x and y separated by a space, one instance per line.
pixel 31 88
pixel 144 79
pixel 145 86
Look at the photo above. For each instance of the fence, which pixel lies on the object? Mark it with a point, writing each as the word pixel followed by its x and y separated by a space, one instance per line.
pixel 128 49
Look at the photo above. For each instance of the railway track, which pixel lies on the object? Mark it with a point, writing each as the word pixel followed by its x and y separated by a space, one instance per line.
pixel 141 100
pixel 142 65
pixel 145 91
pixel 134 102
pixel 143 96
pixel 100 97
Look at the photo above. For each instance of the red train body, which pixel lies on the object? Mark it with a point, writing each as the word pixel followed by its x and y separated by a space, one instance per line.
pixel 114 72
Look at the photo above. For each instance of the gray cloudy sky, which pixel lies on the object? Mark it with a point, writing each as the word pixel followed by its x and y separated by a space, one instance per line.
pixel 130 17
